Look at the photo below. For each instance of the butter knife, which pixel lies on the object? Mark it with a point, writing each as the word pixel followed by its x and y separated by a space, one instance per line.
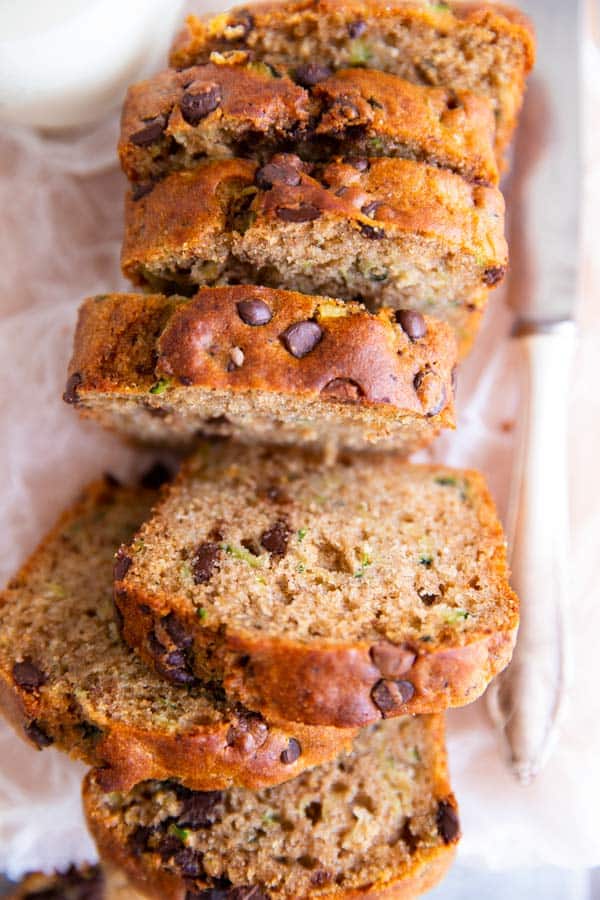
pixel 544 228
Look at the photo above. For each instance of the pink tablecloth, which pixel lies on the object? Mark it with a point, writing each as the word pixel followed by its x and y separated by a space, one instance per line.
pixel 60 223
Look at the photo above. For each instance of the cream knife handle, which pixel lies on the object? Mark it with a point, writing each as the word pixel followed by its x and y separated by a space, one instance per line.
pixel 525 701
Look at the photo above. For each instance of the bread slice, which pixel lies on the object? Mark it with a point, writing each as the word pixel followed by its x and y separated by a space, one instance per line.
pixel 82 883
pixel 380 822
pixel 483 47
pixel 175 119
pixel 262 365
pixel 391 232
pixel 334 594
pixel 67 679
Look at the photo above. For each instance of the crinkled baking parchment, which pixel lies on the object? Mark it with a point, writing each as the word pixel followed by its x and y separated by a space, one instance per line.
pixel 60 230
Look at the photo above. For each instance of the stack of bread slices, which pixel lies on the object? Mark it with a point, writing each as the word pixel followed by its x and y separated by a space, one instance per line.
pixel 255 655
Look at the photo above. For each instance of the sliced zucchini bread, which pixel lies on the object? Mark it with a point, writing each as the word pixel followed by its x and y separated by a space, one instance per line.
pixel 67 679
pixel 262 365
pixel 392 232
pixel 483 47
pixel 332 595
pixel 380 822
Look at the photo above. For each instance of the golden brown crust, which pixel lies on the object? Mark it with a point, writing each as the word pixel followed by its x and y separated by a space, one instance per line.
pixel 185 230
pixel 248 112
pixel 424 869
pixel 323 29
pixel 332 682
pixel 126 344
pixel 204 756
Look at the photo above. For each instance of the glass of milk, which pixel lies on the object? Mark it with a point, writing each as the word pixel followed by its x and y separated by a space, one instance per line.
pixel 67 63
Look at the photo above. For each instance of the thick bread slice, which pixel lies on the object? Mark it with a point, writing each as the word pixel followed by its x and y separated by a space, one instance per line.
pixel 175 119
pixel 488 48
pixel 334 595
pixel 392 232
pixel 262 365
pixel 380 822
pixel 67 679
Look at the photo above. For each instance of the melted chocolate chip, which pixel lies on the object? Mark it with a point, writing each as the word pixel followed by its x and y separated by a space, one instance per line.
pixel 301 338
pixel 447 822
pixel 494 275
pixel 190 863
pixel 36 733
pixel 176 668
pixel 392 660
pixel 306 212
pixel 311 73
pixel 357 29
pixel 390 696
pixel 275 539
pixel 73 383
pixel 202 809
pixel 254 312
pixel 157 475
pixel 284 171
pixel 369 231
pixel 150 133
pixel 343 390
pixel 140 189
pixel 369 209
pixel 177 631
pixel 412 323
pixel 291 753
pixel 199 101
pixel 205 562
pixel 121 566
pixel 27 675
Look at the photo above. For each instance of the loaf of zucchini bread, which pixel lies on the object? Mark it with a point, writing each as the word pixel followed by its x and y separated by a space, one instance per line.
pixel 67 679
pixel 391 232
pixel 379 822
pixel 262 365
pixel 487 48
pixel 175 119
pixel 333 595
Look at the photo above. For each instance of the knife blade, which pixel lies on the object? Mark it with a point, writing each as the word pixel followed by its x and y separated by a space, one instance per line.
pixel 543 289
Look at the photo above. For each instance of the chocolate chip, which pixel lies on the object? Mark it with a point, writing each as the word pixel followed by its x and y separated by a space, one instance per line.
pixel 199 102
pixel 168 846
pixel 431 391
pixel 390 696
pixel 254 312
pixel 249 733
pixel 369 209
pixel 291 753
pixel 190 863
pixel 369 231
pixel 177 631
pixel 283 171
pixel 494 275
pixel 447 822
pixel 311 73
pixel 357 29
pixel 150 133
pixel 306 212
pixel 205 562
pixel 157 475
pixel 36 733
pixel 411 840
pixel 314 812
pixel 202 809
pixel 73 383
pixel 392 660
pixel 343 390
pixel 276 538
pixel 140 189
pixel 121 566
pixel 363 165
pixel 175 667
pixel 27 675
pixel 301 338
pixel 412 323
